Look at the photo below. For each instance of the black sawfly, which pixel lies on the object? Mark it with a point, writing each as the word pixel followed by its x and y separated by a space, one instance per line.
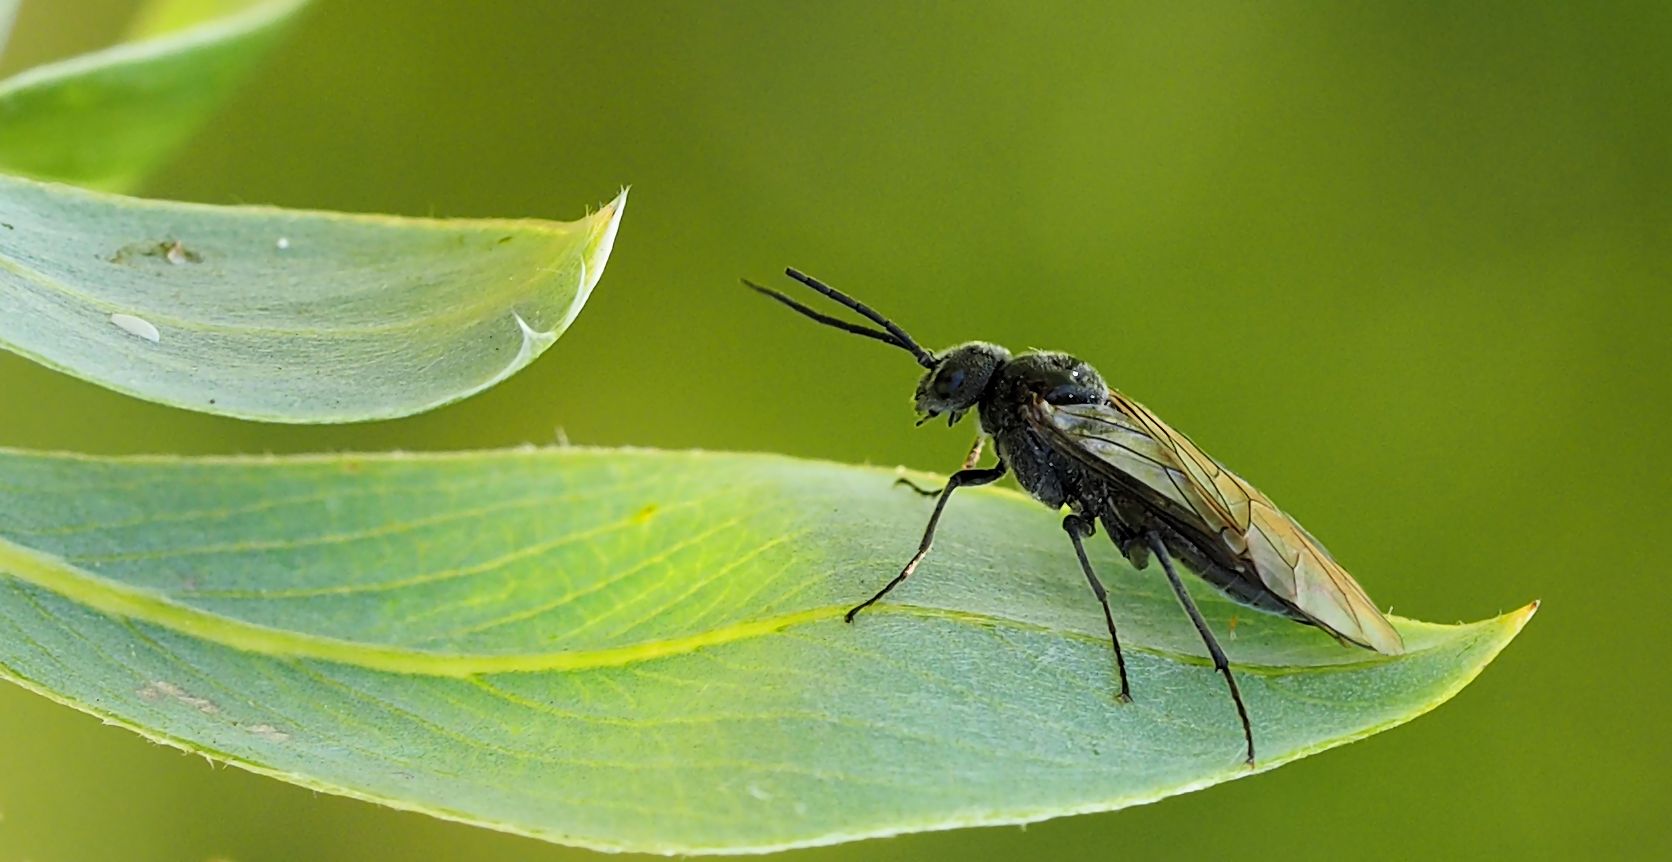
pixel 1073 441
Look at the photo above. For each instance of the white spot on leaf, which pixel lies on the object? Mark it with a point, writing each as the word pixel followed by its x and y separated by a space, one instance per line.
pixel 269 732
pixel 159 689
pixel 137 326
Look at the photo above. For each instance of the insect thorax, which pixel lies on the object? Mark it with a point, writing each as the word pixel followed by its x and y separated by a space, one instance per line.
pixel 1055 378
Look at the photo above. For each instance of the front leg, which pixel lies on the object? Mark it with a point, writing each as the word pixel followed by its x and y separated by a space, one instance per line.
pixel 957 480
pixel 969 462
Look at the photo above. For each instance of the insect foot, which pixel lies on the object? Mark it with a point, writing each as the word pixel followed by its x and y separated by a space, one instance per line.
pixel 927 492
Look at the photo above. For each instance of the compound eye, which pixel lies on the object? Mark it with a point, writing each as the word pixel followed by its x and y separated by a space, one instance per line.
pixel 948 383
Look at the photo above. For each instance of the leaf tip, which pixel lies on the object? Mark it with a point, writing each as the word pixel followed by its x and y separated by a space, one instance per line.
pixel 1499 631
pixel 604 224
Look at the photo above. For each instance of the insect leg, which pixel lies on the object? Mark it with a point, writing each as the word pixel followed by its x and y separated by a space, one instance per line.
pixel 1219 663
pixel 1077 528
pixel 969 462
pixel 927 492
pixel 957 480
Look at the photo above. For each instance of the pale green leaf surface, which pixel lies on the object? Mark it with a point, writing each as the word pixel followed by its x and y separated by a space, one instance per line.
pixel 108 118
pixel 8 17
pixel 644 651
pixel 285 315
pixel 162 17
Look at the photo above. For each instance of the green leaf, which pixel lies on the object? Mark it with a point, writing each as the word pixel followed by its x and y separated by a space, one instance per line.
pixel 8 17
pixel 636 650
pixel 162 17
pixel 108 118
pixel 284 315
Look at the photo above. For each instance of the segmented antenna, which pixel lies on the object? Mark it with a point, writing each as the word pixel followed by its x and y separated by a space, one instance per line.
pixel 894 334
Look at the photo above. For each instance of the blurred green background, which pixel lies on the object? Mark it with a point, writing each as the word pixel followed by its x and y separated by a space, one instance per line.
pixel 1405 266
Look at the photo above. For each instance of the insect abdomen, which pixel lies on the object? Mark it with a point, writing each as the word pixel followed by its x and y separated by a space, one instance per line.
pixel 1241 585
pixel 1243 590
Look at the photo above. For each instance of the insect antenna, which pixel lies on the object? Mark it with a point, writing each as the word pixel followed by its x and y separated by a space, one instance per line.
pixel 826 319
pixel 894 334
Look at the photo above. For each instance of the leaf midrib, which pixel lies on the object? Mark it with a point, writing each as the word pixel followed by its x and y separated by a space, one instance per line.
pixel 503 296
pixel 55 575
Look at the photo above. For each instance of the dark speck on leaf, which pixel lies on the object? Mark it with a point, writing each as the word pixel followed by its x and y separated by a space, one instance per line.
pixel 173 251
pixel 505 239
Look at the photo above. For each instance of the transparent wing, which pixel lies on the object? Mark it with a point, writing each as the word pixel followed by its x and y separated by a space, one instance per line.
pixel 1124 436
